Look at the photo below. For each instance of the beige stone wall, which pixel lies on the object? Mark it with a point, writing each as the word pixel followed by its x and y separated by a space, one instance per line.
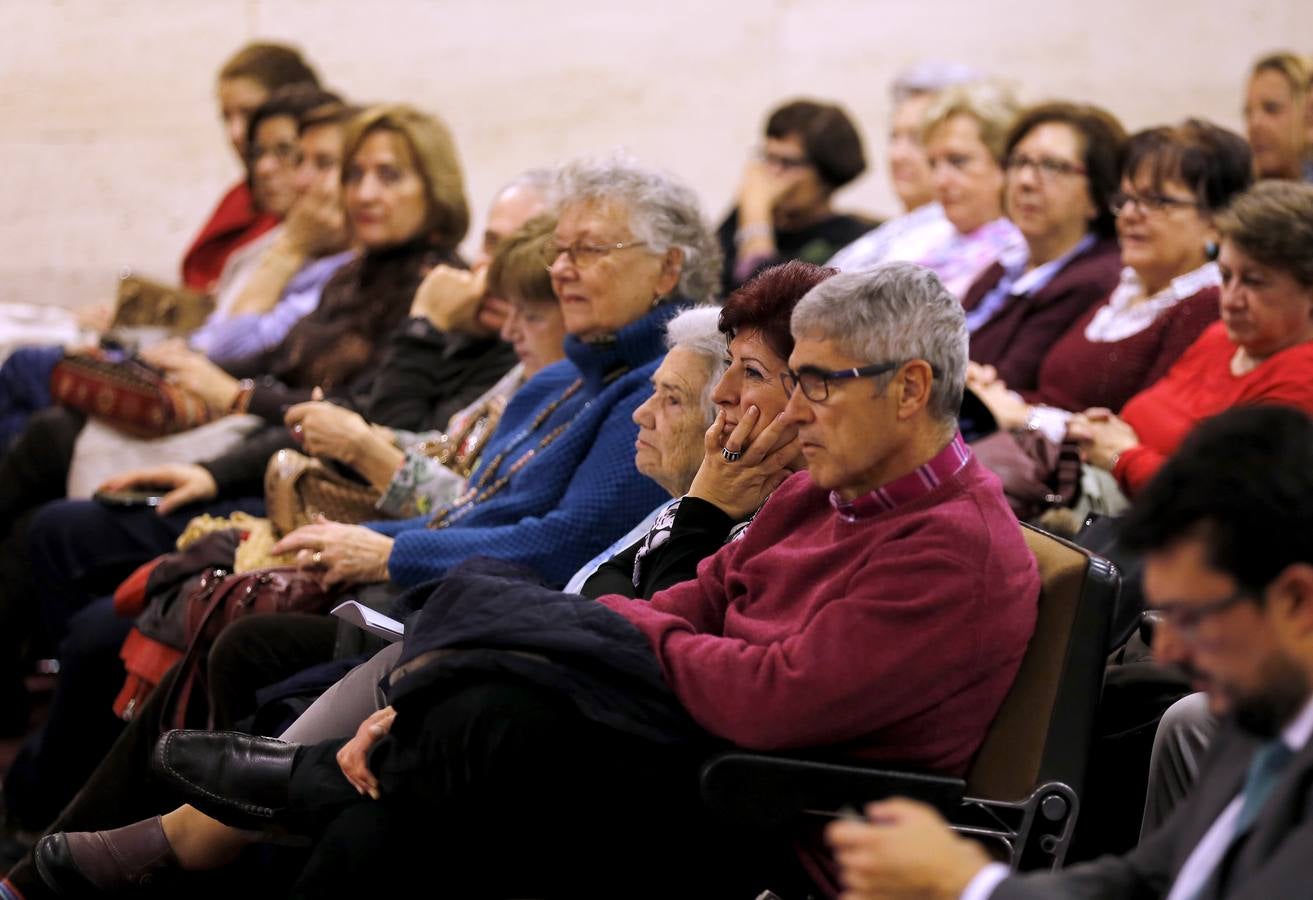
pixel 112 151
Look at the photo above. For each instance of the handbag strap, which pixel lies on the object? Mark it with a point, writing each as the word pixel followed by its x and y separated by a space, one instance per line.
pixel 173 714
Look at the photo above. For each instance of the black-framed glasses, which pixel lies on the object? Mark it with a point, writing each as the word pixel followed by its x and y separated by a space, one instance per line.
pixel 1186 618
pixel 287 154
pixel 815 383
pixel 781 162
pixel 1148 203
pixel 582 255
pixel 1046 167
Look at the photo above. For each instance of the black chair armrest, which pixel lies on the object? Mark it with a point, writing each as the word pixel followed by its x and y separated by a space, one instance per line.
pixel 768 791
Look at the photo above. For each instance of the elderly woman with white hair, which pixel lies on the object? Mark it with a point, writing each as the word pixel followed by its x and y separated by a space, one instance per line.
pixel 570 736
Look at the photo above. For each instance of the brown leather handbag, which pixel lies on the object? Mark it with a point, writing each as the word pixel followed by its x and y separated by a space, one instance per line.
pixel 143 301
pixel 298 487
pixel 221 599
pixel 1037 474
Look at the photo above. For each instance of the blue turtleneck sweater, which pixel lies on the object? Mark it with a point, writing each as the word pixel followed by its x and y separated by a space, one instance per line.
pixel 575 496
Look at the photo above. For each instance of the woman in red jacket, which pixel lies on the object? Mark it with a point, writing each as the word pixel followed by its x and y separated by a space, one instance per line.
pixel 1261 351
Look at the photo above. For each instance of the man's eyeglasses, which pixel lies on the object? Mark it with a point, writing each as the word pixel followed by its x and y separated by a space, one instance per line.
pixel 1148 203
pixel 815 383
pixel 1186 618
pixel 1046 167
pixel 583 255
pixel 287 154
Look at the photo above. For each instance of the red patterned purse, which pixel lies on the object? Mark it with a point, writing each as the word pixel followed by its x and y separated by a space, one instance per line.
pixel 128 394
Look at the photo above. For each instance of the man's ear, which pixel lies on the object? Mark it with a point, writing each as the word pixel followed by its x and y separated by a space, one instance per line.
pixel 1292 591
pixel 914 381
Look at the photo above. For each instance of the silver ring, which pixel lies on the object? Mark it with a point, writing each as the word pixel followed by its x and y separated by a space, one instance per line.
pixel 731 455
pixel 317 558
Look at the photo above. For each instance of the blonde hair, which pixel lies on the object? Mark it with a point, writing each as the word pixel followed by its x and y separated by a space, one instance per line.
pixel 1294 68
pixel 990 104
pixel 434 153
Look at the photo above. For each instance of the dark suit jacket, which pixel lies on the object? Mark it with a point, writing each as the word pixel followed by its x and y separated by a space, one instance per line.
pixel 1019 335
pixel 1274 861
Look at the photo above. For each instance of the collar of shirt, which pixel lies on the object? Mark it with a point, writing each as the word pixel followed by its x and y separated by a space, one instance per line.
pixel 1037 278
pixel 912 486
pixel 1297 733
pixel 1128 312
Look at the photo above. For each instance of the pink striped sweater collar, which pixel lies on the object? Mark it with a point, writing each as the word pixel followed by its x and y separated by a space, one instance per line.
pixel 912 486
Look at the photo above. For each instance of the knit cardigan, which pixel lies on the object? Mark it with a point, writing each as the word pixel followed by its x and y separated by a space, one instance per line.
pixel 576 495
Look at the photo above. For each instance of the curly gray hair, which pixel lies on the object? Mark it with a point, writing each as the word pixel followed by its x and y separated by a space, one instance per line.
pixel 697 329
pixel 663 213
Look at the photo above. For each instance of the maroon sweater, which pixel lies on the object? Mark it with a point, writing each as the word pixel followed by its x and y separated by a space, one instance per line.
pixel 1078 373
pixel 1016 339
pixel 894 635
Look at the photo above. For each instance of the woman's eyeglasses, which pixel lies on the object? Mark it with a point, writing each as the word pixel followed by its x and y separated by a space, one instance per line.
pixel 1046 167
pixel 1148 203
pixel 583 255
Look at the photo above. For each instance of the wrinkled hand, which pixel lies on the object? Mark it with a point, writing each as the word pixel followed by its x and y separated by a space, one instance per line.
pixel 740 487
pixel 334 432
pixel 187 483
pixel 1008 409
pixel 904 849
pixel 316 224
pixel 1101 436
pixel 353 756
pixel 450 298
pixel 764 186
pixel 347 554
pixel 193 371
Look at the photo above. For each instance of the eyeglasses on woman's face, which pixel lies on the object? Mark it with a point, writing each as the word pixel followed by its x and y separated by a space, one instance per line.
pixel 1149 203
pixel 584 255
pixel 1046 168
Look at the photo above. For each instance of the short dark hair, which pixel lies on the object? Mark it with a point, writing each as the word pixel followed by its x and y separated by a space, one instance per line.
pixel 765 303
pixel 1272 223
pixel 1103 140
pixel 269 65
pixel 1212 161
pixel 1243 483
pixel 296 101
pixel 828 135
pixel 517 268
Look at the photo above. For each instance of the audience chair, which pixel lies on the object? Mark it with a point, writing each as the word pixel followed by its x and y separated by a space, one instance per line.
pixel 1022 792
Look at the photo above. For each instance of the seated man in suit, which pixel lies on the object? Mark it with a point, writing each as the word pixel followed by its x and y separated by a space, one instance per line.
pixel 1229 568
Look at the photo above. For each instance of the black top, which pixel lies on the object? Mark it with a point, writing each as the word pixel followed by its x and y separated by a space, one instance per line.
pixel 814 244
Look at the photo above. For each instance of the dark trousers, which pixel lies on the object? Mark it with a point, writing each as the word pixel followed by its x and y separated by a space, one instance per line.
pixel 79 551
pixel 500 788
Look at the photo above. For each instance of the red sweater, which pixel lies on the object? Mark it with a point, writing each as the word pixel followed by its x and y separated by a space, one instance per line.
pixel 234 222
pixel 895 635
pixel 1078 373
pixel 1201 385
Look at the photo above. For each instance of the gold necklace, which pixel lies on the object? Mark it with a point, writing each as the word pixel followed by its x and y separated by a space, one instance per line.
pixel 481 489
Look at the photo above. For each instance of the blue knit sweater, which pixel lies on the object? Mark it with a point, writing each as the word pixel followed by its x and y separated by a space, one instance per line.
pixel 574 497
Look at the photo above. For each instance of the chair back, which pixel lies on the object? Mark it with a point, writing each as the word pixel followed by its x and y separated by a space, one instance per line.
pixel 1044 728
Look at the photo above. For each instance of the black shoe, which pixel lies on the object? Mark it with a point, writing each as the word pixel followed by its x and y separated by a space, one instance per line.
pixel 236 778
pixel 100 863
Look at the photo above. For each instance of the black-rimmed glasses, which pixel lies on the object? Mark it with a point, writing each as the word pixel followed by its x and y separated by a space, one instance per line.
pixel 815 383
pixel 1046 167
pixel 1148 203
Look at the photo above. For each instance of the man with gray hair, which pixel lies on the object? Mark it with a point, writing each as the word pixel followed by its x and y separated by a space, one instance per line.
pixel 578 726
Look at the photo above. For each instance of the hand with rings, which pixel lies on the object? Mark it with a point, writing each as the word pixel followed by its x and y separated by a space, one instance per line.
pixel 345 554
pixel 739 481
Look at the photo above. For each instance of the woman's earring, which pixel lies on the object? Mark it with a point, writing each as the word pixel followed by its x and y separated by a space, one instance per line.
pixel 1210 250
